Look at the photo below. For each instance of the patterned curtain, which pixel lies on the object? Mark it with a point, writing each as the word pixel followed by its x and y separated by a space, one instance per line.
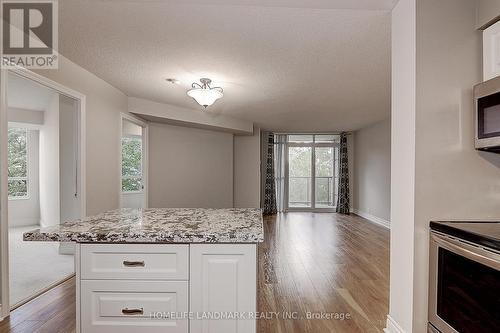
pixel 269 182
pixel 279 170
pixel 343 190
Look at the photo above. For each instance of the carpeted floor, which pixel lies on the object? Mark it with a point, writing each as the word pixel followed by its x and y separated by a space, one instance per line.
pixel 34 266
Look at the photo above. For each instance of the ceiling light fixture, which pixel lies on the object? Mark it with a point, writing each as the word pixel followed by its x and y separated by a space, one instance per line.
pixel 204 94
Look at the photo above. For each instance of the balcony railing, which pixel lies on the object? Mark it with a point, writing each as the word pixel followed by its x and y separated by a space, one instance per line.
pixel 299 191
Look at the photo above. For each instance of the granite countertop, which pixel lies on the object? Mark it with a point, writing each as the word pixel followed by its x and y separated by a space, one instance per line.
pixel 159 225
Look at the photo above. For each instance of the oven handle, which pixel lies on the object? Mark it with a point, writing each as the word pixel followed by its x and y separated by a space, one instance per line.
pixel 471 252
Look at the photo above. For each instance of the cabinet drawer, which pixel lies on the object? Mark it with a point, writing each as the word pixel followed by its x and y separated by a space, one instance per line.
pixel 133 306
pixel 134 261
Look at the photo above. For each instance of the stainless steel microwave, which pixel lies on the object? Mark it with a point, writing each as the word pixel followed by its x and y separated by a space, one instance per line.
pixel 487 115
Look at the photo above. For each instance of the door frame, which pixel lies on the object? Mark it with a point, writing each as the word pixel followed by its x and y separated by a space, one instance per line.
pixel 145 155
pixel 313 146
pixel 4 224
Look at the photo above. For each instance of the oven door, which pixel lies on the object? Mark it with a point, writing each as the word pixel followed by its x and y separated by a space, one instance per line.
pixel 464 286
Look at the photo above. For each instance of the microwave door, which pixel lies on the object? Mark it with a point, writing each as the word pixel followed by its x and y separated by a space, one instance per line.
pixel 488 121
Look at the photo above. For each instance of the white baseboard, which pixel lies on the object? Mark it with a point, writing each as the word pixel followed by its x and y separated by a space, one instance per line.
pixel 392 326
pixel 373 218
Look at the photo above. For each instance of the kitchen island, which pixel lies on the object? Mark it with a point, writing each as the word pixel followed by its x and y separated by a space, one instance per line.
pixel 168 270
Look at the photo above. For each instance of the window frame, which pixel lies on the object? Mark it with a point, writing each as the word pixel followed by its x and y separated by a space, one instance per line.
pixel 28 164
pixel 141 176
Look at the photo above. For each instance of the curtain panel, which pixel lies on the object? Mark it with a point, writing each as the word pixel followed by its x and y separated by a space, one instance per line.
pixel 343 182
pixel 279 170
pixel 269 203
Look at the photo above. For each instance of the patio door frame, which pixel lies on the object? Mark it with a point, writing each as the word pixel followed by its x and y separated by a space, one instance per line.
pixel 313 145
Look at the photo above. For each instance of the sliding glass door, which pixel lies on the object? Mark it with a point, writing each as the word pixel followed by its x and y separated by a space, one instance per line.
pixel 312 161
pixel 324 177
pixel 299 177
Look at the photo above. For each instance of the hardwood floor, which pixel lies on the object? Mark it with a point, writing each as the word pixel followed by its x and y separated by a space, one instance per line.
pixel 309 262
pixel 324 263
pixel 51 312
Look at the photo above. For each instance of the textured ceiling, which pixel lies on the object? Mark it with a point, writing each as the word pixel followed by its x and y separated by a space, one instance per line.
pixel 313 65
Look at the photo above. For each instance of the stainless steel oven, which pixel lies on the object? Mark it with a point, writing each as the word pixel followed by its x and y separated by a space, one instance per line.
pixel 464 286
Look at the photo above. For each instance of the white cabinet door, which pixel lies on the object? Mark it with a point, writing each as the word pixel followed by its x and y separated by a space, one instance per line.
pixel 223 282
pixel 491 52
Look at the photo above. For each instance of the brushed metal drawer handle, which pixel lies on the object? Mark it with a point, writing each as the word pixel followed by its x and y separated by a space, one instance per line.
pixel 131 312
pixel 134 263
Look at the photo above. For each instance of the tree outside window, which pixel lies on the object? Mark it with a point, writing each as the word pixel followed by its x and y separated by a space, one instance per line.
pixel 131 164
pixel 17 163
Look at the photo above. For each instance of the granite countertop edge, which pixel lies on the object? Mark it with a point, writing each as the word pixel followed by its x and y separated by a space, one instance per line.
pixel 34 236
pixel 159 225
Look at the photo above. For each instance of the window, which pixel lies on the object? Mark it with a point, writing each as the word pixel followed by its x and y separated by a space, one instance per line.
pixel 132 164
pixel 312 161
pixel 18 184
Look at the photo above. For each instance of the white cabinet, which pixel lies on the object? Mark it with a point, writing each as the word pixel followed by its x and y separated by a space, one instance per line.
pixel 128 288
pixel 491 51
pixel 223 281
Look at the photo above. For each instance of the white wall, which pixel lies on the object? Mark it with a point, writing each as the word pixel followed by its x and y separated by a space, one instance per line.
pixel 24 212
pixel 34 117
pixel 190 167
pixel 104 103
pixel 372 171
pixel 49 165
pixel 487 11
pixel 129 128
pixel 246 184
pixel 68 149
pixel 402 167
pixel 175 115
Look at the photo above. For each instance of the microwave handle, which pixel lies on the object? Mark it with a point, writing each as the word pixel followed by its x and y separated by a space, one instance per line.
pixel 471 252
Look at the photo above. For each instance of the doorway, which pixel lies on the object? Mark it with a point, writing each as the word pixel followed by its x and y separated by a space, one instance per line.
pixel 311 172
pixel 134 166
pixel 42 159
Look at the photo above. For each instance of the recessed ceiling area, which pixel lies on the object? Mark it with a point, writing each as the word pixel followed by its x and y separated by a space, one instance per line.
pixel 285 65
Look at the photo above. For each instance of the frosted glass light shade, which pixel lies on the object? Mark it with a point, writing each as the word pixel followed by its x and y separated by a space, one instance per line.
pixel 205 96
